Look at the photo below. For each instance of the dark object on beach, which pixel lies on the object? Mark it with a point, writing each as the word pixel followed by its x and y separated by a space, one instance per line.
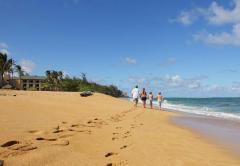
pixel 9 143
pixel 86 93
pixel 109 164
pixel 40 139
pixel 109 154
pixel 1 162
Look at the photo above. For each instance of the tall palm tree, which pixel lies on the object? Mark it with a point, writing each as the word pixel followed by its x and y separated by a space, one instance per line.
pixel 6 66
pixel 53 80
pixel 20 72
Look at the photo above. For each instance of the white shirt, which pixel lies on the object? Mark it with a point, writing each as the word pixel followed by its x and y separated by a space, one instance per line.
pixel 135 93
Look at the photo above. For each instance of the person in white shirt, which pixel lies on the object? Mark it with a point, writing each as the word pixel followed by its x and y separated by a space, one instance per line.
pixel 135 94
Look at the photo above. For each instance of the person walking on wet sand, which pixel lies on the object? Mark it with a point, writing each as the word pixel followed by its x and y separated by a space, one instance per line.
pixel 143 96
pixel 150 97
pixel 159 99
pixel 135 94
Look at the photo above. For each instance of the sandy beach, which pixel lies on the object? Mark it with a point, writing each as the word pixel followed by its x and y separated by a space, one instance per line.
pixel 61 129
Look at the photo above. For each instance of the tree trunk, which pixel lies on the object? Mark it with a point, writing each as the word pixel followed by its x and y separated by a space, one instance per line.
pixel 20 82
pixel 1 80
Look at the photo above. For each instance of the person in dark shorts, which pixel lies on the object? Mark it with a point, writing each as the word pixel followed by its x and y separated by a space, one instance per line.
pixel 143 96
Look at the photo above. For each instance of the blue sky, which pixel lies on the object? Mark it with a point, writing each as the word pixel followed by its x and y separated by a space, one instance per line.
pixel 182 48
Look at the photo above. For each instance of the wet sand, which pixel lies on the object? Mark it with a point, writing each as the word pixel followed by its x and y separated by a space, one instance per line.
pixel 222 131
pixel 64 129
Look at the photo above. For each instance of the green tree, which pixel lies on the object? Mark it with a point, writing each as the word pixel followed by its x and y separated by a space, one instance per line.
pixel 53 80
pixel 6 66
pixel 20 72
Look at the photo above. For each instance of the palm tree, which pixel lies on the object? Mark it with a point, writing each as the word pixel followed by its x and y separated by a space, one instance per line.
pixel 53 80
pixel 6 66
pixel 20 72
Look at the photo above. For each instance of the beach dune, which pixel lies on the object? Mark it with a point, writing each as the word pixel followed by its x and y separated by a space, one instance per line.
pixel 62 129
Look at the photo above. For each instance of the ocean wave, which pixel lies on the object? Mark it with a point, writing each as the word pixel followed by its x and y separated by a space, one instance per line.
pixel 197 110
pixel 205 111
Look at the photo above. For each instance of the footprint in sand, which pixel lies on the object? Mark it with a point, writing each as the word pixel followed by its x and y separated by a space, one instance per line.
pixel 84 131
pixel 75 125
pixel 115 138
pixel 46 139
pixel 33 131
pixel 123 147
pixel 16 148
pixel 66 136
pixel 126 136
pixel 23 147
pixel 9 153
pixel 57 129
pixel 115 164
pixel 110 154
pixel 55 140
pixel 10 143
pixel 81 131
pixel 128 132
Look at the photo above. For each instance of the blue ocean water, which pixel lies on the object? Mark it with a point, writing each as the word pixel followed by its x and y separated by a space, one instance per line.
pixel 228 108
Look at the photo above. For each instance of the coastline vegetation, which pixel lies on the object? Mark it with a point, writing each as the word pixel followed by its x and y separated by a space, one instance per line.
pixel 55 80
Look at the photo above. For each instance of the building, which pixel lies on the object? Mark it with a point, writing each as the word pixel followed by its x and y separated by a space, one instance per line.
pixel 28 82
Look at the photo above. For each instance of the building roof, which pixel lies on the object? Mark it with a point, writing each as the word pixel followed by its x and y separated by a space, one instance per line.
pixel 31 77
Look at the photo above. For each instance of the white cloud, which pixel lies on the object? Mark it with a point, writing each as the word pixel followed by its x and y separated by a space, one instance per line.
pixel 177 81
pixel 186 17
pixel 130 61
pixel 214 14
pixel 4 48
pixel 174 80
pixel 236 86
pixel 217 14
pixel 27 65
pixel 175 85
pixel 223 38
pixel 4 51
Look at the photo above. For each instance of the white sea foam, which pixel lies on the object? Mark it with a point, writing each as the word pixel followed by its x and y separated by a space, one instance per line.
pixel 199 110
pixel 204 111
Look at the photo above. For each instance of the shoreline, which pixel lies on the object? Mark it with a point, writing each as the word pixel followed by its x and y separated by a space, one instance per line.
pixel 224 132
pixel 61 129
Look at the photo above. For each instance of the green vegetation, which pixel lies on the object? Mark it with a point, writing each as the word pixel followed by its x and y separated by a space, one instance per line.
pixel 55 81
pixel 8 67
pixel 20 72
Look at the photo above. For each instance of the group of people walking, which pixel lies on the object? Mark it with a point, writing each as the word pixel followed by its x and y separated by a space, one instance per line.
pixel 136 94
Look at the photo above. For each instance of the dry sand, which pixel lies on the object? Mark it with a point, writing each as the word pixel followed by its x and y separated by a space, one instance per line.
pixel 56 128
